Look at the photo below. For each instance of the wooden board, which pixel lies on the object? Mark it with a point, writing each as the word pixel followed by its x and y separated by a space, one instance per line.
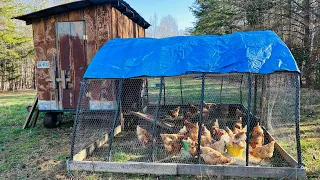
pixel 135 30
pixel 96 144
pixel 76 15
pixel 50 45
pixel 90 19
pixel 120 24
pixel 28 119
pixel 126 27
pixel 114 24
pixel 141 32
pixel 282 152
pixel 151 119
pixel 103 24
pixel 40 55
pixel 241 171
pixel 130 29
pixel 128 167
pixel 188 169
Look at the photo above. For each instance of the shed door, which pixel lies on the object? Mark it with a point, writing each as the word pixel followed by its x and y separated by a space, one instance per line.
pixel 71 60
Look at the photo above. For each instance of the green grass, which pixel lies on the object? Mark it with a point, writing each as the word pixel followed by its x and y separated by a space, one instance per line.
pixel 40 153
pixel 191 90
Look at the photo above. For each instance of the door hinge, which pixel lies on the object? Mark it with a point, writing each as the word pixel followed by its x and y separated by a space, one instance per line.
pixel 85 37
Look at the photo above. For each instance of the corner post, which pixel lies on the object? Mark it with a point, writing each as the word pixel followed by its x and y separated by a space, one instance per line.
pixel 200 117
pixel 115 118
pixel 154 126
pixel 297 118
pixel 248 119
pixel 75 124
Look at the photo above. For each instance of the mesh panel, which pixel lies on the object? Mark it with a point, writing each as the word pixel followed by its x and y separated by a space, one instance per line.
pixel 158 120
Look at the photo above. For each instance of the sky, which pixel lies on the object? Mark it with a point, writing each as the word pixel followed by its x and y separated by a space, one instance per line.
pixel 179 9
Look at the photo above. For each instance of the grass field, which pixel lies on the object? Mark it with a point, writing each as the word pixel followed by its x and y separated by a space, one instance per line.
pixel 40 153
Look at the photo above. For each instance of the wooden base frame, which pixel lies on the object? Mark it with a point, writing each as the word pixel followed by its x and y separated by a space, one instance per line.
pixel 189 169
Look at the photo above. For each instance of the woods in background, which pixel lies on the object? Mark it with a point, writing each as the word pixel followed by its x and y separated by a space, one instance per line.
pixel 16 46
pixel 297 22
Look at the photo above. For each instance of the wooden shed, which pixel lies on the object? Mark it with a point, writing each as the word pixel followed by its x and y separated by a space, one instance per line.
pixel 66 37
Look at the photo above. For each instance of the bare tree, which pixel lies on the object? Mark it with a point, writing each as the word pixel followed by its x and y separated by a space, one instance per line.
pixel 167 27
pixel 153 30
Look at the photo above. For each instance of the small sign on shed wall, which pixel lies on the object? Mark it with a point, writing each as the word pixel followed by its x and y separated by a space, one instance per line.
pixel 43 64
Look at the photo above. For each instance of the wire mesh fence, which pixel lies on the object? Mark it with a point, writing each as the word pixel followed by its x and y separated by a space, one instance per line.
pixel 209 119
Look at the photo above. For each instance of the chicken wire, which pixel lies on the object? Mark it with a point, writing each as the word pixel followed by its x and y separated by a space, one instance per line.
pixel 121 107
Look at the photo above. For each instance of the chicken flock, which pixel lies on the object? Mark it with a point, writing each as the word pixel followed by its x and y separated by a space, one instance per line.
pixel 213 141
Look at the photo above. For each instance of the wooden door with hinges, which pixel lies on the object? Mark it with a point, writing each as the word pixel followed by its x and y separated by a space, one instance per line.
pixel 71 61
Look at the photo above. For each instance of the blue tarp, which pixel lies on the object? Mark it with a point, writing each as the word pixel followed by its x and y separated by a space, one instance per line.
pixel 259 52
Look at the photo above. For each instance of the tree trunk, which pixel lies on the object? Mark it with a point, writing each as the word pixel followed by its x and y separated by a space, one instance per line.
pixel 2 76
pixel 308 64
pixel 289 23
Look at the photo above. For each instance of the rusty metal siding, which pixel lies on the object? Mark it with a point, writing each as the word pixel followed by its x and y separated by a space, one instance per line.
pixel 65 56
pixel 102 23
pixel 78 57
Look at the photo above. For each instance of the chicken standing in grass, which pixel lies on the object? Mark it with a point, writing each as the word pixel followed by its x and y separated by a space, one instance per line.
pixel 183 130
pixel 193 109
pixel 264 152
pixel 172 142
pixel 220 145
pixel 205 135
pixel 213 157
pixel 257 137
pixel 193 149
pixel 174 113
pixel 230 133
pixel 193 130
pixel 144 136
pixel 238 125
pixel 216 131
pixel 239 140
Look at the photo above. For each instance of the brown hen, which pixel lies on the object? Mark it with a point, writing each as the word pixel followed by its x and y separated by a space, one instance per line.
pixel 144 136
pixel 266 151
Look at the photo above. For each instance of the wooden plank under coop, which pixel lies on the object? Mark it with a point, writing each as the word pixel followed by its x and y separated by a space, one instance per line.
pixel 188 169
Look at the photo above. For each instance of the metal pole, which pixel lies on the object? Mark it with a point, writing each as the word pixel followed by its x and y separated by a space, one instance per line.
pixel 200 118
pixel 75 125
pixel 297 119
pixel 181 91
pixel 263 99
pixel 147 89
pixel 255 95
pixel 221 89
pixel 115 118
pixel 164 92
pixel 241 89
pixel 154 126
pixel 248 119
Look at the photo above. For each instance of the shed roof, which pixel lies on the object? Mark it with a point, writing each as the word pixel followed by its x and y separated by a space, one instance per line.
pixel 261 52
pixel 120 5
